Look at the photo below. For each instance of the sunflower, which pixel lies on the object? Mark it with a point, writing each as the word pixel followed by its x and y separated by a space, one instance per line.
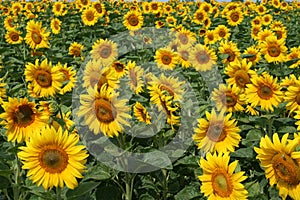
pixel 263 34
pixel 36 36
pixel 222 32
pixel 202 58
pixel 141 113
pixel 294 54
pixel 100 8
pixel 184 55
pixel 89 16
pixel 264 92
pixel 199 16
pixel 274 50
pixel 45 80
pixel 102 112
pixel 133 20
pixel 256 55
pixel 104 50
pixel 210 37
pixel 257 21
pixel 217 133
pixel 119 68
pixel 59 9
pixel 235 17
pixel 228 98
pixel 281 33
pixel 159 24
pixel 135 75
pixel 254 32
pixel 98 75
pixel 261 9
pixel 75 49
pixel 164 104
pixel 185 37
pixel 10 22
pixel 155 7
pixel 22 119
pixel 171 85
pixel 13 37
pixel 267 19
pixel 65 118
pixel 281 164
pixel 2 91
pixel 69 78
pixel 230 48
pixel 55 25
pixel 16 8
pixel 166 58
pixel 53 158
pixel 220 179
pixel 171 21
pixel 292 96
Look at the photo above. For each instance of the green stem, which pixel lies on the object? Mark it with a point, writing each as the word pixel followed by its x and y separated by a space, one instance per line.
pixel 269 127
pixel 164 184
pixel 16 190
pixel 58 193
pixel 129 185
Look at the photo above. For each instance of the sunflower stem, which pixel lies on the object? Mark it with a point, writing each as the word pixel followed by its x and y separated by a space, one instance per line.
pixel 58 193
pixel 16 190
pixel 164 184
pixel 129 185
pixel 269 128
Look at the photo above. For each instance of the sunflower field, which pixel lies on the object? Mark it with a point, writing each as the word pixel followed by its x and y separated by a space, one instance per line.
pixel 111 100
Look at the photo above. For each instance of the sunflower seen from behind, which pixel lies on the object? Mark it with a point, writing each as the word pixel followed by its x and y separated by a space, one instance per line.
pixel 264 91
pixel 45 79
pixel 217 133
pixel 281 163
pixel 103 112
pixel 220 180
pixel 53 158
pixel 22 119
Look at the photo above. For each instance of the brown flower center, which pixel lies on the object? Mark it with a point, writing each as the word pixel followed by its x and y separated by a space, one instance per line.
pixel 222 33
pixel 184 55
pixel 231 54
pixel 53 159
pixel 105 51
pixel 253 58
pixel 119 67
pixel 230 99
pixel 241 78
pixel 215 131
pixel 66 74
pixel 102 80
pixel 221 183
pixel 24 115
pixel 43 78
pixel 183 39
pixel 76 51
pixel 14 37
pixel 98 8
pixel 167 88
pixel 234 17
pixel 57 8
pixel 133 20
pixel 274 50
pixel 105 111
pixel 133 78
pixel 90 16
pixel 36 37
pixel 166 59
pixel 286 169
pixel 298 99
pixel 265 92
pixel 202 57
pixel 200 16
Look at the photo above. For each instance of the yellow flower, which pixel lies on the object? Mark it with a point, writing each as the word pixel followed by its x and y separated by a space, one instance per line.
pixel 135 75
pixel 273 49
pixel 45 80
pixel 230 48
pixel 217 133
pixel 256 55
pixel 211 37
pixel 202 58
pixel 69 78
pixel 89 16
pixel 141 113
pixel 22 119
pixel 75 49
pixel 13 37
pixel 133 20
pixel 53 158
pixel 264 92
pixel 36 36
pixel 166 58
pixel 228 98
pixel 105 51
pixel 281 164
pixel 222 32
pixel 55 25
pixel 103 112
pixel 219 179
pixel 235 17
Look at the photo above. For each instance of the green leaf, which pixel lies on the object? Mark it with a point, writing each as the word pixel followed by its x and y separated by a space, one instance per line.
pixel 189 192
pixel 243 153
pixel 146 197
pixel 4 183
pixel 82 189
pixel 98 172
pixel 287 129
pixel 253 188
pixel 188 160
pixel 108 192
